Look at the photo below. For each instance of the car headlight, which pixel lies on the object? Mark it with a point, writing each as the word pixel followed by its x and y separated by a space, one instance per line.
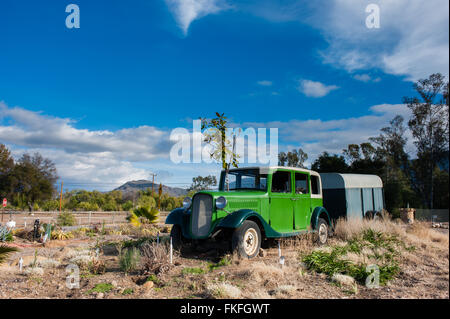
pixel 187 201
pixel 221 202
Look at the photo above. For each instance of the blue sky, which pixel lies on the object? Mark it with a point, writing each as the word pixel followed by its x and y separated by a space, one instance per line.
pixel 101 100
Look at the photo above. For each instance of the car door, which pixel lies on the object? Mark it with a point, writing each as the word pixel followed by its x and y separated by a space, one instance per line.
pixel 281 215
pixel 301 199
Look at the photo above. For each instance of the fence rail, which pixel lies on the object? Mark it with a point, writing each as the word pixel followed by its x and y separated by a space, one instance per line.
pixel 437 215
pixel 25 219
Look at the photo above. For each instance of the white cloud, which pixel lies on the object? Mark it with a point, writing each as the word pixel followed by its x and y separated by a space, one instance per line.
pixel 32 129
pixel 412 40
pixel 315 89
pixel 317 136
pixel 265 83
pixel 186 11
pixel 366 78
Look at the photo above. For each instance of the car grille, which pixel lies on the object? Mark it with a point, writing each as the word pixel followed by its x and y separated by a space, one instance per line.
pixel 201 215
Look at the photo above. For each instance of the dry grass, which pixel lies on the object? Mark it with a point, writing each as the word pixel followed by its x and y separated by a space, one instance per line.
pixel 419 233
pixel 223 290
pixel 262 274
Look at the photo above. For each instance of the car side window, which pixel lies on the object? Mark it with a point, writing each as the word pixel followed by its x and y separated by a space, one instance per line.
pixel 281 182
pixel 315 185
pixel 301 183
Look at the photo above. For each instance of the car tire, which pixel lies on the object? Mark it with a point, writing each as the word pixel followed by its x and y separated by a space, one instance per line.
pixel 378 216
pixel 177 237
pixel 322 232
pixel 246 240
pixel 369 215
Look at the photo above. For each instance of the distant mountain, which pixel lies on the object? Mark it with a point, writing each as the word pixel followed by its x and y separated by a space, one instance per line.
pixel 136 186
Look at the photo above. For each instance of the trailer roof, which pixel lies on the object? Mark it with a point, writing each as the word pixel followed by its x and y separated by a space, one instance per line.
pixel 336 181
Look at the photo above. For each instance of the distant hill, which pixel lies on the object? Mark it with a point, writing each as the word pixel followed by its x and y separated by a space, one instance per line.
pixel 136 186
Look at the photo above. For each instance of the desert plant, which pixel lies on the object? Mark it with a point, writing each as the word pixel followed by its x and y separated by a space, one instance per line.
pixel 369 244
pixel 97 266
pixel 5 234
pixel 5 251
pixel 127 291
pixel 150 215
pixel 61 235
pixel 66 219
pixel 129 259
pixel 101 288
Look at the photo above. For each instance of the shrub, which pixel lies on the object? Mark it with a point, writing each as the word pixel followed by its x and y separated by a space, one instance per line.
pixel 66 219
pixel 150 215
pixel 127 291
pixel 193 271
pixel 223 290
pixel 129 259
pixel 101 288
pixel 370 244
pixel 5 251
pixel 156 258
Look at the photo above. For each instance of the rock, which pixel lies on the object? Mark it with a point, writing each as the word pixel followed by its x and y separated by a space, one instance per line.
pixel 262 253
pixel 343 280
pixel 100 295
pixel 148 286
pixel 114 283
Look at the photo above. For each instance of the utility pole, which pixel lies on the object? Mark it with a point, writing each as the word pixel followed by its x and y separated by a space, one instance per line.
pixel 60 198
pixel 153 181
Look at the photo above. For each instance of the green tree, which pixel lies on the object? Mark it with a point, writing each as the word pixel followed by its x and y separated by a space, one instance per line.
pixel 34 177
pixel 6 168
pixel 327 163
pixel 295 158
pixel 216 136
pixel 391 149
pixel 429 125
pixel 202 183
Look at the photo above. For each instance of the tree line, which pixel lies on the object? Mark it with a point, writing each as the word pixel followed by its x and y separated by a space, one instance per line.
pixel 29 184
pixel 421 179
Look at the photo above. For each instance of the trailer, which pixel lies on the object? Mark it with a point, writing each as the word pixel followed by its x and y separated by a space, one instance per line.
pixel 352 195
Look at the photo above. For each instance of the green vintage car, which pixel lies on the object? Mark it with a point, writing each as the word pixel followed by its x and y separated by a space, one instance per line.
pixel 253 204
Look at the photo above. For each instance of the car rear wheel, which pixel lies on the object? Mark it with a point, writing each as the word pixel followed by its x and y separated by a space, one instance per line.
pixel 322 232
pixel 246 240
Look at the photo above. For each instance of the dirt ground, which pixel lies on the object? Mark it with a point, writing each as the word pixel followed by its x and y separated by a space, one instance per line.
pixel 196 274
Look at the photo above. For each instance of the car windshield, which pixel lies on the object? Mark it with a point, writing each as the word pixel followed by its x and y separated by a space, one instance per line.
pixel 247 179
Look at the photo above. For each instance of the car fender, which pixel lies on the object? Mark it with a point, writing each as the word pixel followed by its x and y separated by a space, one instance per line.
pixel 175 217
pixel 316 214
pixel 235 219
pixel 180 216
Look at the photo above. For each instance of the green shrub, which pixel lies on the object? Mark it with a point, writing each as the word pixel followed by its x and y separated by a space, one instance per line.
pixel 66 219
pixel 127 291
pixel 225 261
pixel 101 287
pixel 5 251
pixel 382 247
pixel 193 271
pixel 151 215
pixel 129 259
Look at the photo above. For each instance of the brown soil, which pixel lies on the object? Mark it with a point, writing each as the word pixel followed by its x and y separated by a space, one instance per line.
pixel 424 274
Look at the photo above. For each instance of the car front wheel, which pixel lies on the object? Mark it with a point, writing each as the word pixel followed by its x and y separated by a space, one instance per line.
pixel 246 240
pixel 177 237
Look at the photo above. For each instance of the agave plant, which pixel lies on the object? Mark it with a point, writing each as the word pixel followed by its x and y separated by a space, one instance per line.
pixel 151 215
pixel 5 251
